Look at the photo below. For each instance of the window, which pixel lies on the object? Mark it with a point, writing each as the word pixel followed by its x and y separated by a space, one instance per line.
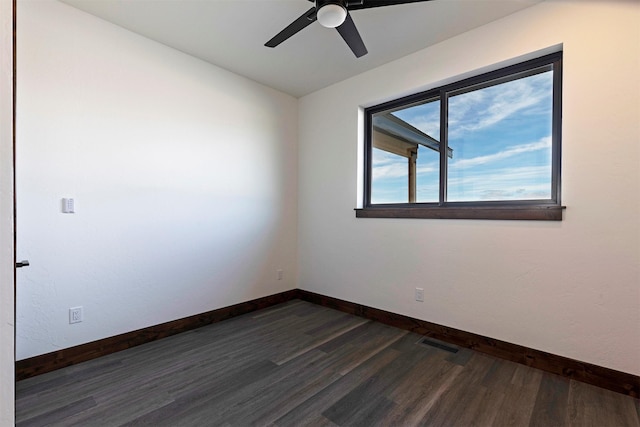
pixel 502 134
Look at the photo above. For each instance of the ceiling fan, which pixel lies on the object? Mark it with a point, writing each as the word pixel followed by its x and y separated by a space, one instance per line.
pixel 335 14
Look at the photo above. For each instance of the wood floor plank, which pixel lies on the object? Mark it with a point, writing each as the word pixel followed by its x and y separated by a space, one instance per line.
pixel 333 369
pixel 131 406
pixel 461 357
pixel 321 421
pixel 317 343
pixel 458 399
pixel 312 408
pixel 200 397
pixel 500 374
pixel 58 414
pixel 593 406
pixel 363 397
pixel 420 389
pixel 519 398
pixel 377 347
pixel 276 310
pixel 294 389
pixel 272 393
pixel 482 407
pixel 279 396
pixel 550 408
pixel 370 414
pixel 336 322
pixel 42 392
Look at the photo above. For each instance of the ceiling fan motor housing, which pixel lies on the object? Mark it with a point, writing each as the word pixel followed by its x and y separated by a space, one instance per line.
pixel 331 13
pixel 344 3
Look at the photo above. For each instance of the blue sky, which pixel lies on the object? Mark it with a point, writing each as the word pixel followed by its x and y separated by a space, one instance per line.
pixel 501 141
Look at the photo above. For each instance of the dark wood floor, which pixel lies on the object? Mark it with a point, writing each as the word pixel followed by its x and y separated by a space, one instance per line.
pixel 301 364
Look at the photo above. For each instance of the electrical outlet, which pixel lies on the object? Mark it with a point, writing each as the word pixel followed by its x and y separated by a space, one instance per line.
pixel 420 294
pixel 75 315
pixel 279 274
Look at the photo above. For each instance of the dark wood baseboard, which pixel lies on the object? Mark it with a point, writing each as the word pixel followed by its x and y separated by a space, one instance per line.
pixel 610 379
pixel 81 353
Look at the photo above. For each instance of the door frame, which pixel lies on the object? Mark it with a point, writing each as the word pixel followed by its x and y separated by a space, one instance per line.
pixel 7 210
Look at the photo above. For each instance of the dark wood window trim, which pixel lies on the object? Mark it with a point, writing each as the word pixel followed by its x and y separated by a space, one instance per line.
pixel 535 212
pixel 545 210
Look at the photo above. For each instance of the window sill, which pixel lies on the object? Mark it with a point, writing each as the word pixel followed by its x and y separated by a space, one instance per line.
pixel 536 212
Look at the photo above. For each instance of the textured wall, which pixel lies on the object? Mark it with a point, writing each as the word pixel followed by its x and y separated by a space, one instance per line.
pixel 569 288
pixel 184 177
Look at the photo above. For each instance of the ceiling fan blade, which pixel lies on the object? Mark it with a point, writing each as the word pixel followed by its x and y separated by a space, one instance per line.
pixel 299 24
pixel 350 34
pixel 367 4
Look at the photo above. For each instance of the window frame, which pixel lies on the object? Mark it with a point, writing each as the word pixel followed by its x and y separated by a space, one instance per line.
pixel 544 209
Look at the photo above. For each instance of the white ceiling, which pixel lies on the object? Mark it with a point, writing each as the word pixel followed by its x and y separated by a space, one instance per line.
pixel 231 34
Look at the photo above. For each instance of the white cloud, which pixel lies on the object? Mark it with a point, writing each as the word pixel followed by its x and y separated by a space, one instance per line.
pixel 541 144
pixel 426 169
pixel 517 183
pixel 393 170
pixel 482 108
pixel 388 165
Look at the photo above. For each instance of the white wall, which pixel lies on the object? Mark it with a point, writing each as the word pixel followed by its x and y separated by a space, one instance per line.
pixel 184 177
pixel 7 354
pixel 569 288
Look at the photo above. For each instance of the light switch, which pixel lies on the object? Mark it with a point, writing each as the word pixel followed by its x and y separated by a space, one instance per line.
pixel 68 206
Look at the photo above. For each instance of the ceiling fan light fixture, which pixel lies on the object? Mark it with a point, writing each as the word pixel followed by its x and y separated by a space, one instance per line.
pixel 331 15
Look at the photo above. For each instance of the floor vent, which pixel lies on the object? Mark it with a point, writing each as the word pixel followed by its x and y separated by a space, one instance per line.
pixel 427 341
